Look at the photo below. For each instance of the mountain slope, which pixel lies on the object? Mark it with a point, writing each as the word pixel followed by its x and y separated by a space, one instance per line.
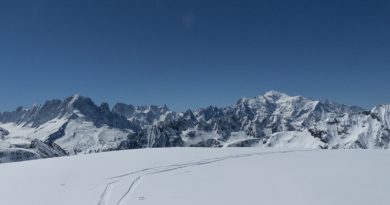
pixel 195 176
pixel 75 124
pixel 276 120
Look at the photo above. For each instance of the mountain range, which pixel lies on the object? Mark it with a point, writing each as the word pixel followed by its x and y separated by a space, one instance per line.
pixel 76 125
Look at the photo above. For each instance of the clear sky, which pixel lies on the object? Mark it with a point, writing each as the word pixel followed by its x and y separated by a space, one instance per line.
pixel 189 54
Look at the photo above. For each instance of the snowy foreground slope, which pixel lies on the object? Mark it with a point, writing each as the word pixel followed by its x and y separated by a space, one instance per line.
pixel 201 176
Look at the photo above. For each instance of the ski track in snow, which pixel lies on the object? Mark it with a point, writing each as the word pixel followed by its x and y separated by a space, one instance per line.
pixel 139 174
pixel 130 189
pixel 105 196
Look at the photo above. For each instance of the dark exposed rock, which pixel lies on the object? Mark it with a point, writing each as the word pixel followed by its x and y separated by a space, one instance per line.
pixel 17 154
pixel 3 133
pixel 47 150
pixel 56 135
pixel 320 134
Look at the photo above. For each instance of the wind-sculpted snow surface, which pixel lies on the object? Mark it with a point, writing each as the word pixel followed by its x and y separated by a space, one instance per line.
pixel 195 176
pixel 77 125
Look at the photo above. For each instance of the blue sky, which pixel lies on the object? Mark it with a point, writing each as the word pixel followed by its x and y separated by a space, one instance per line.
pixel 189 54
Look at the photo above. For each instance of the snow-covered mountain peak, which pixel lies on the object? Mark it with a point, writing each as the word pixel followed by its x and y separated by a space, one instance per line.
pixel 274 95
pixel 273 119
pixel 279 97
pixel 274 101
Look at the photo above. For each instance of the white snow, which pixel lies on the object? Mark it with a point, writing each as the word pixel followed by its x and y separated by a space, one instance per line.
pixel 24 134
pixel 80 135
pixel 200 136
pixel 194 176
pixel 237 137
pixel 292 139
pixel 83 136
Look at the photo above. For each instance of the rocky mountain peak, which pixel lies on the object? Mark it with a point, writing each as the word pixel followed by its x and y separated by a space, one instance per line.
pixel 145 115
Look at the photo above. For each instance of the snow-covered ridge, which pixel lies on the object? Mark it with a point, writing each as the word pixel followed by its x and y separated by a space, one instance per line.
pixel 77 125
